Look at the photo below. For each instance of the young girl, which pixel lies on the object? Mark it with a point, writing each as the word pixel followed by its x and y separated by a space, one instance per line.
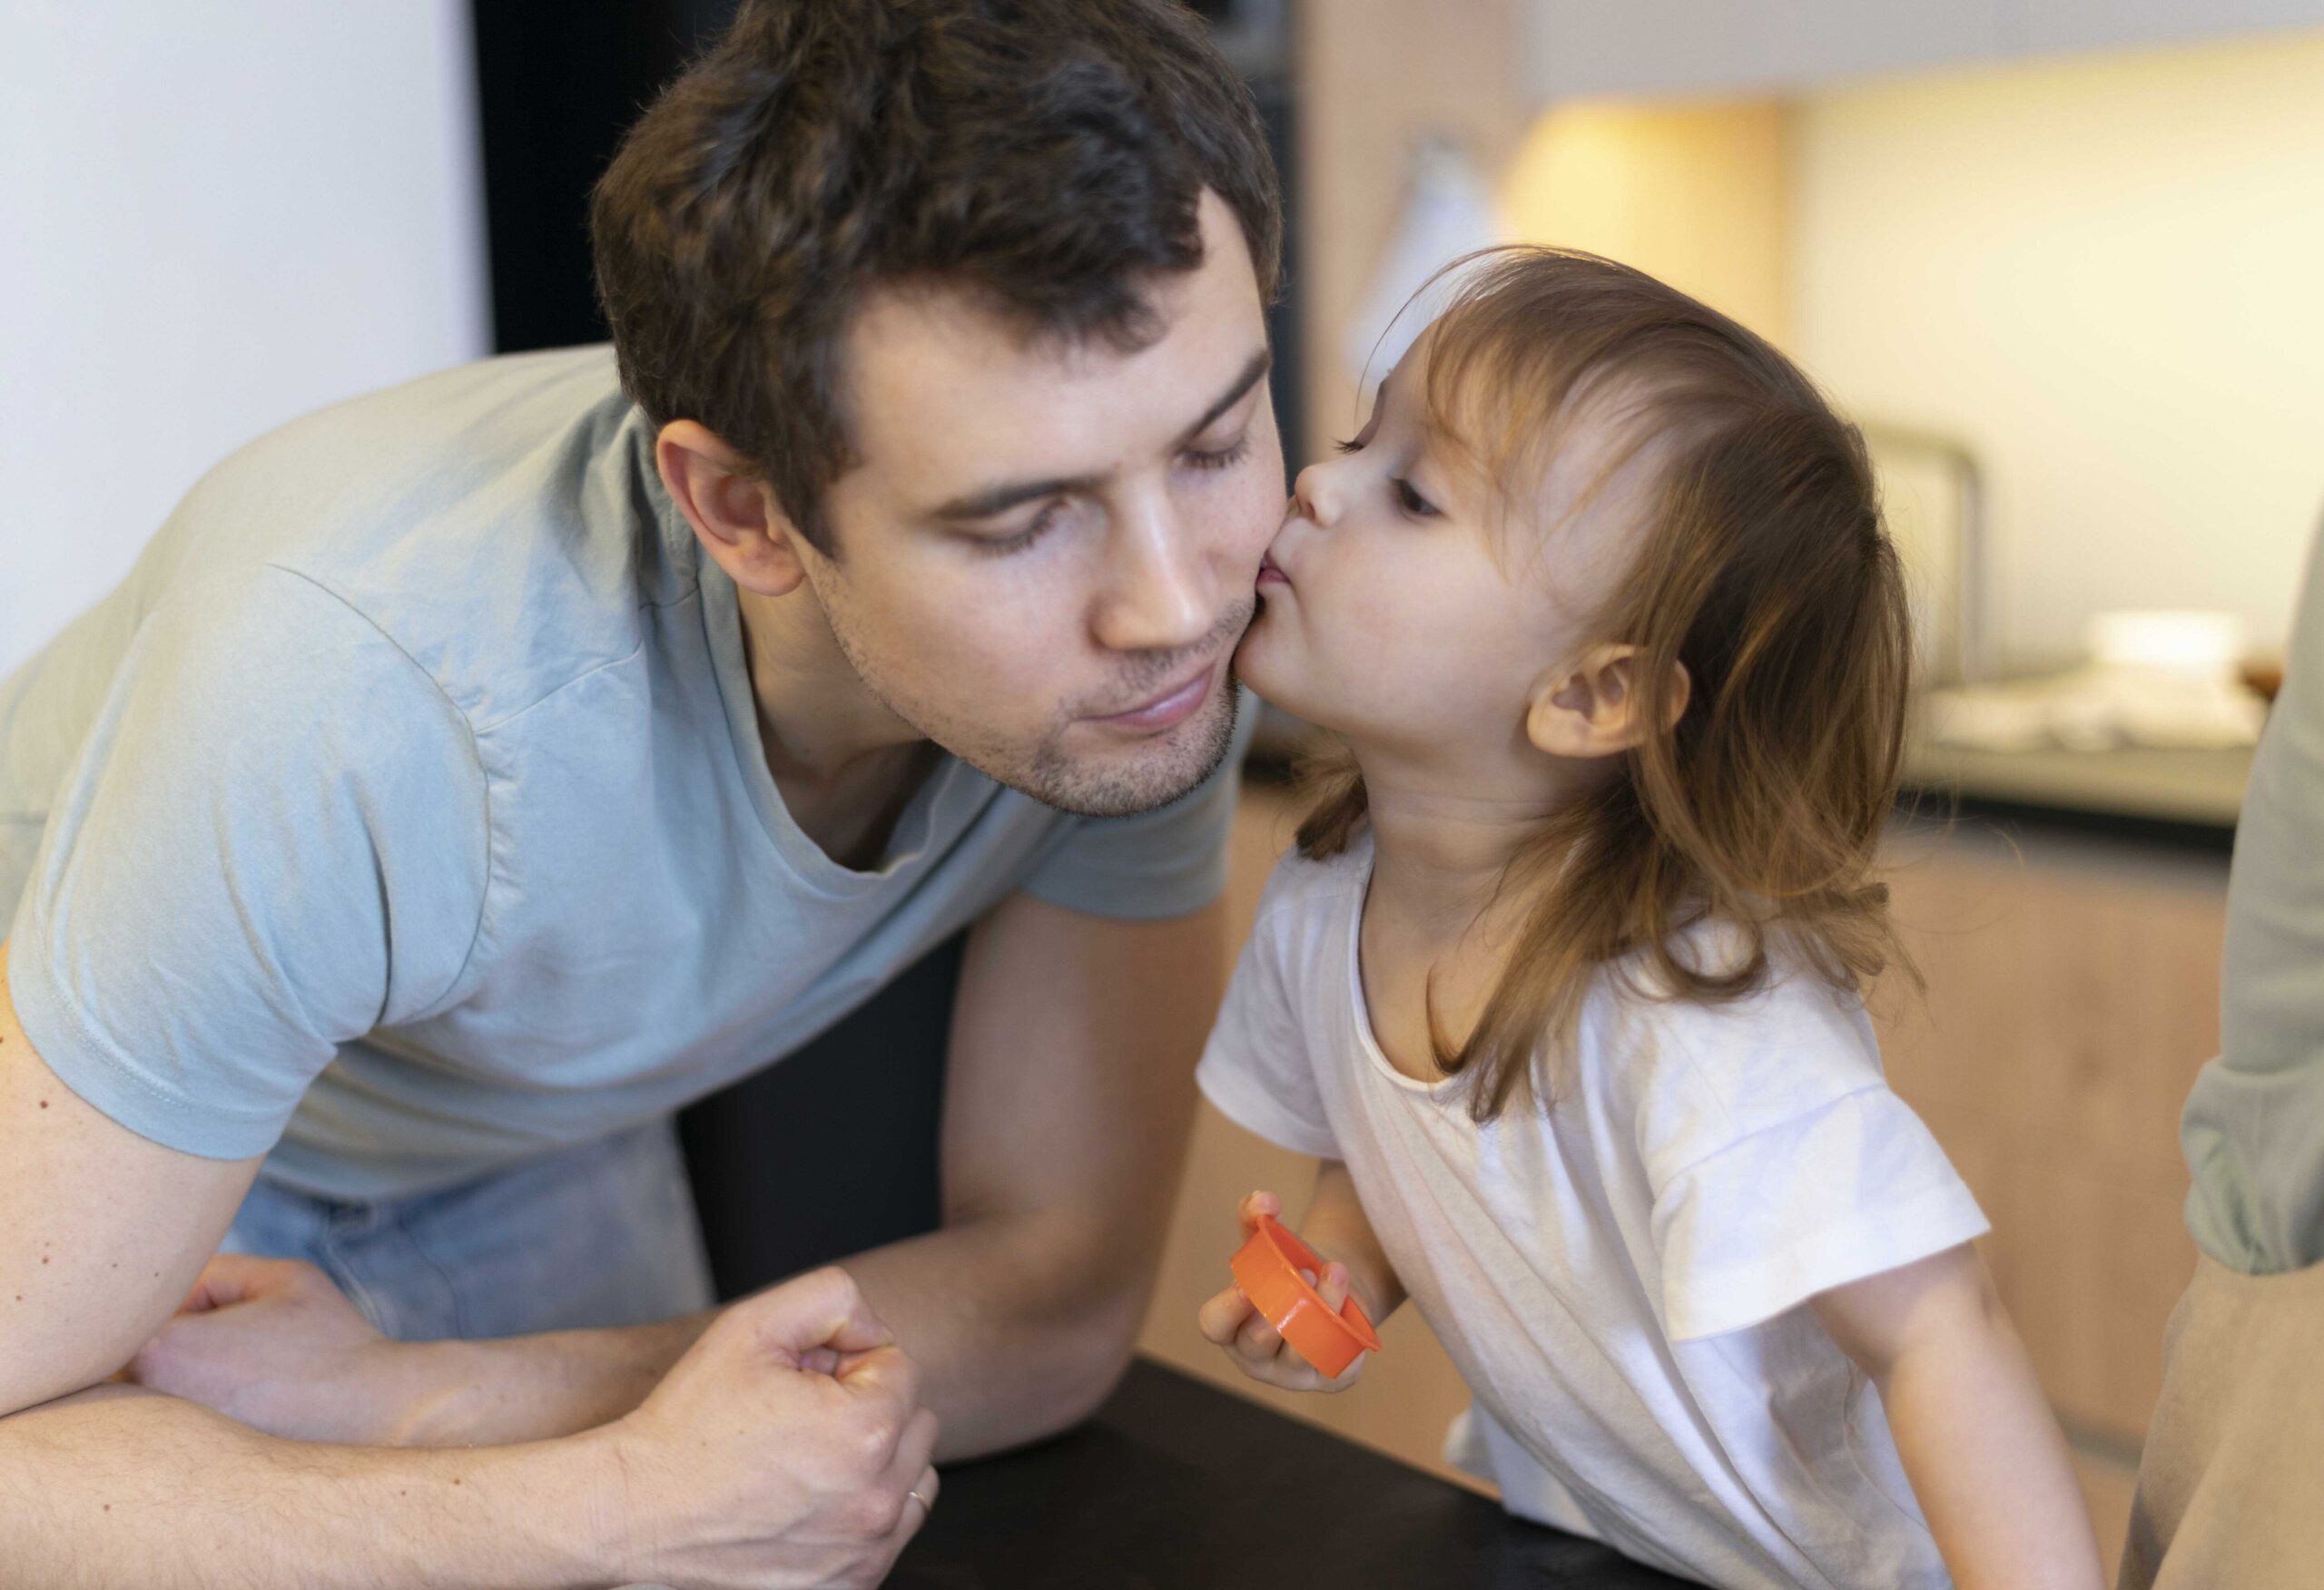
pixel 1561 982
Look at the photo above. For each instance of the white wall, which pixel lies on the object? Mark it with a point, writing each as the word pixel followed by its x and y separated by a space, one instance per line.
pixel 213 217
pixel 2107 276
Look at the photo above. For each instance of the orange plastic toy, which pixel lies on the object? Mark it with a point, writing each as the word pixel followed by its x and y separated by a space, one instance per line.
pixel 1267 1269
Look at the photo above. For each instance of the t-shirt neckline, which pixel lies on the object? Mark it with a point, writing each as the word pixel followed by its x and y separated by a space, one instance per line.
pixel 1359 1006
pixel 913 841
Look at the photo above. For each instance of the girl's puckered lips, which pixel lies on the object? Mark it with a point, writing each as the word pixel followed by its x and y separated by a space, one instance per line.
pixel 1270 571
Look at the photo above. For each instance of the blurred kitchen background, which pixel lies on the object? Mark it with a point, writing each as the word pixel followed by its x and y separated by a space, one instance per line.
pixel 2060 258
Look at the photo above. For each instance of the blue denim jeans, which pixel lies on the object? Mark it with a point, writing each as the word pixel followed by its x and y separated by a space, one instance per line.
pixel 602 1234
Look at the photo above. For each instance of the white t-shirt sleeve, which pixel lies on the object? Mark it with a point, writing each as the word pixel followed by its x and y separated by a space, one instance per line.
pixel 1257 1068
pixel 1781 1163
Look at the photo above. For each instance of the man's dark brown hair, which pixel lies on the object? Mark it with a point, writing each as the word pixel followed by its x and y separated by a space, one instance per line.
pixel 1049 156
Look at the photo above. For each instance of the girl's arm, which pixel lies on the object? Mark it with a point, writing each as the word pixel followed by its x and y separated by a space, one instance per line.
pixel 1986 1460
pixel 1334 1226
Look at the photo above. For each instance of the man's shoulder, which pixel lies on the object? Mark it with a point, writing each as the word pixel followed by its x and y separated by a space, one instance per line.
pixel 495 522
pixel 419 442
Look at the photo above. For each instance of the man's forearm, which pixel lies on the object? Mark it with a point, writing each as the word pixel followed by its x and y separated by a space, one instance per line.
pixel 121 1486
pixel 1020 1326
pixel 538 1387
pixel 1012 1346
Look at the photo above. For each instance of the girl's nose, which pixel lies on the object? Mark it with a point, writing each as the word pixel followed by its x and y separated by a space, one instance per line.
pixel 1317 494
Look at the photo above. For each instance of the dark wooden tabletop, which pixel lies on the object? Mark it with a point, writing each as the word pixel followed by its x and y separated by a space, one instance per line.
pixel 1178 1486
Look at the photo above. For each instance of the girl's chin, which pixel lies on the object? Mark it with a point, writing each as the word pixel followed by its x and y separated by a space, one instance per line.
pixel 1252 662
pixel 1271 685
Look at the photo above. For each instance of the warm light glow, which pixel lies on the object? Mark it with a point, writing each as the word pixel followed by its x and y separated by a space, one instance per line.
pixel 2102 273
pixel 1694 194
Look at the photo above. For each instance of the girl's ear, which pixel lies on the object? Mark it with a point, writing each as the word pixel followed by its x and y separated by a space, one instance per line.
pixel 733 511
pixel 1588 705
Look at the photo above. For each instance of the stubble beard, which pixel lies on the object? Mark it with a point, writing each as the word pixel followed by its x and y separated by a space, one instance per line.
pixel 1131 782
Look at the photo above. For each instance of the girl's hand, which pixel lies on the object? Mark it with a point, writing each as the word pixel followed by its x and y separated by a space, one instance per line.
pixel 1229 1321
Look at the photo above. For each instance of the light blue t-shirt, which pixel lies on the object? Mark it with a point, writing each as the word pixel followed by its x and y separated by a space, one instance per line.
pixel 404 812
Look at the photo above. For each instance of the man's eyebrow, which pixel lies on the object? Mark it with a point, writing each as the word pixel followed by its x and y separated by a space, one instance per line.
pixel 999 499
pixel 1253 374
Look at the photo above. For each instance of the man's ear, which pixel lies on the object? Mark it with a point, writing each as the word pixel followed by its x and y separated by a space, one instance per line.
pixel 1588 706
pixel 732 509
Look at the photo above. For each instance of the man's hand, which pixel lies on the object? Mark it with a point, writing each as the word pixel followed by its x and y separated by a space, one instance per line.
pixel 784 1449
pixel 273 1344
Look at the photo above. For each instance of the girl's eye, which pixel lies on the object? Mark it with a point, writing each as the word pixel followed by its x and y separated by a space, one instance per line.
pixel 1024 538
pixel 1411 501
pixel 1352 445
pixel 1223 457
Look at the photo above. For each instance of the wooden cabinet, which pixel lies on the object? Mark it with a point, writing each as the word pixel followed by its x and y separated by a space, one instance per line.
pixel 1570 49
pixel 2072 992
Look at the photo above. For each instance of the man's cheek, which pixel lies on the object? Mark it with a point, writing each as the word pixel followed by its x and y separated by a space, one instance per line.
pixel 1259 515
pixel 1001 667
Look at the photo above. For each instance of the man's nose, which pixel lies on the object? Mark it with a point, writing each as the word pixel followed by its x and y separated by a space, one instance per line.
pixel 1161 590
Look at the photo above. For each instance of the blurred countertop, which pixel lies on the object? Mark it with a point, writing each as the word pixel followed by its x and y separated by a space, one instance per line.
pixel 2188 799
pixel 2183 797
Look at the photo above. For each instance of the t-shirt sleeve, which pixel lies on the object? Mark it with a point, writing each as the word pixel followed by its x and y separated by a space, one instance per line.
pixel 2254 1125
pixel 1257 1068
pixel 274 840
pixel 1159 864
pixel 1781 1163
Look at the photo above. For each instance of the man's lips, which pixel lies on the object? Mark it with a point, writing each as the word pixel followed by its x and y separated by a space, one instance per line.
pixel 1174 706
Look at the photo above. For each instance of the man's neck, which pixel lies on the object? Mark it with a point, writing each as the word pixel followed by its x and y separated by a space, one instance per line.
pixel 845 765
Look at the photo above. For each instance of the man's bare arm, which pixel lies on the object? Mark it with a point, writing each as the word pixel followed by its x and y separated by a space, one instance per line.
pixel 1067 1104
pixel 1067 1101
pixel 101 1233
pixel 779 1449
pixel 121 1486
pixel 81 1283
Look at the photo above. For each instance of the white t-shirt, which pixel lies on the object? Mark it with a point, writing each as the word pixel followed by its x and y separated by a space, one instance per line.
pixel 1623 1280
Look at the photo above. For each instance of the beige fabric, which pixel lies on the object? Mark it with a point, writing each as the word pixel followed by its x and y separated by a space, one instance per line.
pixel 2231 1491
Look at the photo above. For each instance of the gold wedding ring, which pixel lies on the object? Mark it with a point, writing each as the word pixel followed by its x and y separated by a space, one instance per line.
pixel 927 1507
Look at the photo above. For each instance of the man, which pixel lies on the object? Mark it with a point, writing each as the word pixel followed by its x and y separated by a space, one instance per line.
pixel 471 774
pixel 2229 1482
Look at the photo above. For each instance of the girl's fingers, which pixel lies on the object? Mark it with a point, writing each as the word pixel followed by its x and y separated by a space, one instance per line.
pixel 1257 1338
pixel 1332 1288
pixel 1255 1204
pixel 1220 1317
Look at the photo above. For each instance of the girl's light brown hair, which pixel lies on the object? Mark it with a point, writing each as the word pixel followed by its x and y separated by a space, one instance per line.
pixel 1774 651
